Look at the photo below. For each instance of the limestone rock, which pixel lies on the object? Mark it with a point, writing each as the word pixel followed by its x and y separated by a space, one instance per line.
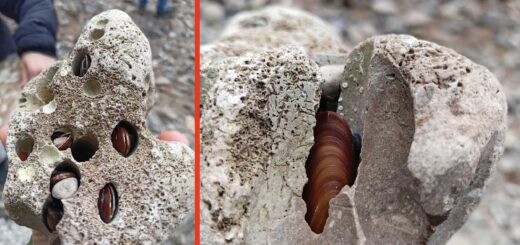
pixel 105 84
pixel 268 28
pixel 256 134
pixel 272 27
pixel 432 124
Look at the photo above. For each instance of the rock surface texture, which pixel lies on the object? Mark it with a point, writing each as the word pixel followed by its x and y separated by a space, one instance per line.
pixel 432 125
pixel 268 28
pixel 85 118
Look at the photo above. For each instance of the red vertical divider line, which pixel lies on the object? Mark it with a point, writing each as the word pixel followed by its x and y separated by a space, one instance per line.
pixel 197 121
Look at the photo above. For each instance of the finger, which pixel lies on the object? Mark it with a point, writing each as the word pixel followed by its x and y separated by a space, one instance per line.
pixel 173 136
pixel 23 74
pixel 3 134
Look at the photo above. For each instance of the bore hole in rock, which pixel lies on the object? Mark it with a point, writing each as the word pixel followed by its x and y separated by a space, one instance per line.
pixel 92 88
pixel 48 155
pixel 43 97
pixel 62 138
pixel 81 63
pixel 102 22
pixel 332 163
pixel 65 180
pixel 52 213
pixel 108 202
pixel 24 146
pixel 125 138
pixel 51 72
pixel 84 148
pixel 97 33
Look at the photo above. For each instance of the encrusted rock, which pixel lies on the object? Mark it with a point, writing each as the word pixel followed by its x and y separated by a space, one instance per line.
pixel 432 125
pixel 107 81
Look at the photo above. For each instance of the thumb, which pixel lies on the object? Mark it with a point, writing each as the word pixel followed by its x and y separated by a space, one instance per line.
pixel 23 74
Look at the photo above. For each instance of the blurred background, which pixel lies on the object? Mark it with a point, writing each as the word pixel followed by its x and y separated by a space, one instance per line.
pixel 486 31
pixel 172 41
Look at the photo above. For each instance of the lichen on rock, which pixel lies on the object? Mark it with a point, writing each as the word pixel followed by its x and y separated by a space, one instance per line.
pixel 106 83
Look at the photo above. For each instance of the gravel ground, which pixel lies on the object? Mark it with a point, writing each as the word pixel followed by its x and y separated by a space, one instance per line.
pixel 171 39
pixel 486 31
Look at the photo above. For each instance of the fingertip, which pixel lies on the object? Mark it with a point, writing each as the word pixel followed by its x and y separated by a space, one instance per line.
pixel 173 135
pixel 3 134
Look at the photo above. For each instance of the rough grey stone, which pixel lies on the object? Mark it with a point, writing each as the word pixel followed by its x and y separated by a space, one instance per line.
pixel 154 184
pixel 433 126
pixel 256 134
pixel 494 46
pixel 432 123
pixel 268 28
pixel 271 27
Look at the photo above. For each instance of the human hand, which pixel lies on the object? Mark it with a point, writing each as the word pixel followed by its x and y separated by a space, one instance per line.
pixel 173 135
pixel 3 134
pixel 32 63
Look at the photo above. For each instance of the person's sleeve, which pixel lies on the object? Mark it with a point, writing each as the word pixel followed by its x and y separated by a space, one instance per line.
pixel 3 165
pixel 37 24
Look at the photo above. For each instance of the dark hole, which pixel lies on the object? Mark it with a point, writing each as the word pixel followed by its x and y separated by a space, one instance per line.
pixel 52 213
pixel 84 148
pixel 81 63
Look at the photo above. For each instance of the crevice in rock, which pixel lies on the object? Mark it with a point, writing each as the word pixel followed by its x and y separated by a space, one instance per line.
pixel 81 63
pixel 52 213
pixel 332 162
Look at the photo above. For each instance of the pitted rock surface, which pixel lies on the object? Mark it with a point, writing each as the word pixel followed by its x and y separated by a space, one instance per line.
pixel 154 184
pixel 272 27
pixel 432 124
pixel 268 28
pixel 256 133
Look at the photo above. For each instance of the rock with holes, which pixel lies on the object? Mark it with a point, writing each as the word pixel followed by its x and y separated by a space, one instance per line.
pixel 83 166
pixel 268 28
pixel 432 126
pixel 256 135
pixel 272 27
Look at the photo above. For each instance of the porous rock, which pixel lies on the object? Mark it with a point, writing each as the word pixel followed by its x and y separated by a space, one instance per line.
pixel 268 28
pixel 256 134
pixel 154 184
pixel 432 124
